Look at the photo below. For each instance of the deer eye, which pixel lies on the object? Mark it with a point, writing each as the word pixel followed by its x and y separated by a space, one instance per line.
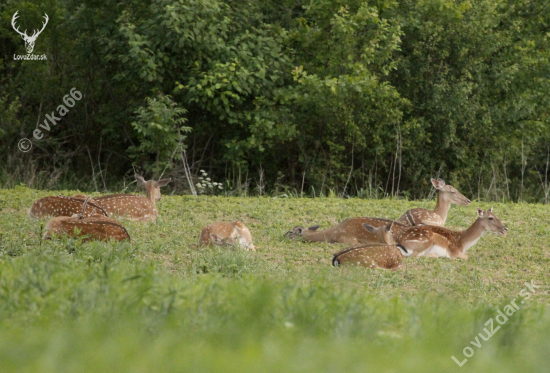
pixel 490 218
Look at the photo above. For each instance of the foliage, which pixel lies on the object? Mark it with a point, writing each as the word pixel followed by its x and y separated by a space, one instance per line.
pixel 159 131
pixel 206 185
pixel 356 97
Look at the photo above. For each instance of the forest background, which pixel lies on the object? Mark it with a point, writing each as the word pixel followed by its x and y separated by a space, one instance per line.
pixel 296 97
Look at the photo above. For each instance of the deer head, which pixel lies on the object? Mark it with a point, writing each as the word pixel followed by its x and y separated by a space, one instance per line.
pixel 152 187
pixel 384 233
pixel 491 223
pixel 449 193
pixel 297 232
pixel 29 40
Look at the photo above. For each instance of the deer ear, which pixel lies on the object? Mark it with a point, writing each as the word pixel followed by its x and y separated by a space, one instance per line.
pixel 140 179
pixel 438 184
pixel 389 227
pixel 162 182
pixel 491 209
pixel 369 227
pixel 314 228
pixel 298 230
pixel 479 212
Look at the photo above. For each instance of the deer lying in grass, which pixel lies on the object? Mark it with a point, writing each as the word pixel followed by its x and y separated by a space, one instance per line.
pixel 133 206
pixel 224 234
pixel 62 206
pixel 379 256
pixel 446 196
pixel 384 256
pixel 350 232
pixel 432 241
pixel 93 227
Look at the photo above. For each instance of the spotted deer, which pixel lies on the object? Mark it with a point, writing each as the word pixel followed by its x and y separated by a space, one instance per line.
pixel 446 196
pixel 386 255
pixel 227 234
pixel 377 256
pixel 63 206
pixel 91 227
pixel 350 232
pixel 133 206
pixel 432 241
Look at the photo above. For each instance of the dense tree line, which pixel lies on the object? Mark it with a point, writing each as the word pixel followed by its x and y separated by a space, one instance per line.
pixel 367 98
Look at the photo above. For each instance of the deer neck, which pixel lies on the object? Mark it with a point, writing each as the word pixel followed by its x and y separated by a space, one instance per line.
pixel 151 196
pixel 316 236
pixel 442 208
pixel 470 236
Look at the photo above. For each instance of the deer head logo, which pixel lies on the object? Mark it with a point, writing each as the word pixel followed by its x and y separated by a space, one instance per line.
pixel 29 40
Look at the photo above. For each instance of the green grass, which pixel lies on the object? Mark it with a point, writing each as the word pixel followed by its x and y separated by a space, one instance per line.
pixel 159 304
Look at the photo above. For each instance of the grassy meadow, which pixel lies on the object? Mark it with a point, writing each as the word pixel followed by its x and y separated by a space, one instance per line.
pixel 160 304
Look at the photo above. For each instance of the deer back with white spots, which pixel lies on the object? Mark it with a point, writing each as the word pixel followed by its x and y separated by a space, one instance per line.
pixel 133 206
pixel 432 241
pixel 63 206
pixel 446 196
pixel 227 234
pixel 376 256
pixel 92 227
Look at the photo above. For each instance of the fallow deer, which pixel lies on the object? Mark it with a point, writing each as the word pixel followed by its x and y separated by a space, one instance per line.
pixel 446 196
pixel 385 256
pixel 432 241
pixel 224 234
pixel 350 232
pixel 93 227
pixel 62 206
pixel 134 206
pixel 377 256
